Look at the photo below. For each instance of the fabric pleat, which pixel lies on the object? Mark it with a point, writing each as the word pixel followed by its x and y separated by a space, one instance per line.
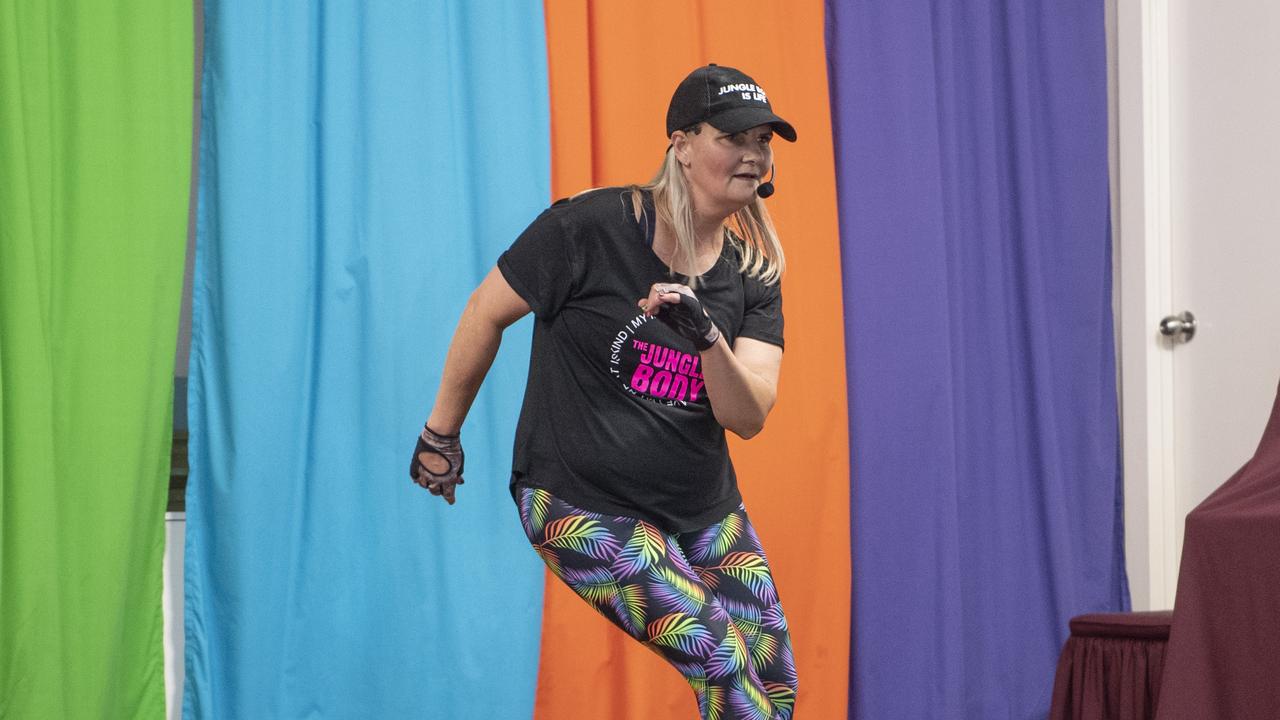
pixel 613 67
pixel 971 159
pixel 95 154
pixel 362 166
pixel 1115 679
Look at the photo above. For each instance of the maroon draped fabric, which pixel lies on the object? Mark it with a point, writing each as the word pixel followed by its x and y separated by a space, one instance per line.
pixel 1110 667
pixel 1224 646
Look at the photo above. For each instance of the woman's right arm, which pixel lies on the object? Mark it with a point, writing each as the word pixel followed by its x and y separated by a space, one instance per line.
pixel 492 308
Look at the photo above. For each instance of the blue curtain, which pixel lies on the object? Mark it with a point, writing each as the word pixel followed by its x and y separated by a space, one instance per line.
pixel 361 167
pixel 971 143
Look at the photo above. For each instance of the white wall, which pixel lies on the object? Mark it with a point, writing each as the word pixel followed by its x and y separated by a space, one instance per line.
pixel 175 527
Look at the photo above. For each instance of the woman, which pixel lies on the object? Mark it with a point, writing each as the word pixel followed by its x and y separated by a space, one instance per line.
pixel 621 470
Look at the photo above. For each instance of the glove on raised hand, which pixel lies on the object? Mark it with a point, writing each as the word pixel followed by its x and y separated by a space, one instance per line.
pixel 448 447
pixel 687 317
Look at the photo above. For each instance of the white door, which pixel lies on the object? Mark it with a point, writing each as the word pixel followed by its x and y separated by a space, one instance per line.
pixel 1207 131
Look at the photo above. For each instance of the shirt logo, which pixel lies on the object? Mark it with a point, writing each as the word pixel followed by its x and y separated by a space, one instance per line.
pixel 641 359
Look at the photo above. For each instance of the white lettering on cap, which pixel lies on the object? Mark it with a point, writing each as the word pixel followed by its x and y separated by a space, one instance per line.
pixel 748 91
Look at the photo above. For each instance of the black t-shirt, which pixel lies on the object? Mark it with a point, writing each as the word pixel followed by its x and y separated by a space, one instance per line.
pixel 616 417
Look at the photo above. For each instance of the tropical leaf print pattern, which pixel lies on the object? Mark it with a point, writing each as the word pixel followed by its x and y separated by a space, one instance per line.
pixel 676 556
pixel 682 631
pixel 630 604
pixel 717 540
pixel 773 617
pixel 646 547
pixel 787 663
pixel 731 655
pixel 713 705
pixel 764 650
pixel 582 534
pixel 595 585
pixel 534 505
pixel 708 577
pixel 677 591
pixel 693 672
pixel 753 540
pixel 552 560
pixel 751 701
pixel 782 695
pixel 751 570
pixel 746 617
pixel 716 619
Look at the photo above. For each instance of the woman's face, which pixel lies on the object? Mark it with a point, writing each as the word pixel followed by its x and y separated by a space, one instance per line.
pixel 724 169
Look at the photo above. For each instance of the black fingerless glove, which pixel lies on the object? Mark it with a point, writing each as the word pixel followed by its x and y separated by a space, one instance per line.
pixel 448 447
pixel 689 320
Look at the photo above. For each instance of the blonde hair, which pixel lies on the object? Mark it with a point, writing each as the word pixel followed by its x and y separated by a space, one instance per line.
pixel 750 229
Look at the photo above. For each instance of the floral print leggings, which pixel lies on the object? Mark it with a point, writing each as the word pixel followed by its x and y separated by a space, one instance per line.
pixel 703 600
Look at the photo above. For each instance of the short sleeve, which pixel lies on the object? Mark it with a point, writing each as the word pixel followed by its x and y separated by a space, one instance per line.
pixel 762 312
pixel 540 264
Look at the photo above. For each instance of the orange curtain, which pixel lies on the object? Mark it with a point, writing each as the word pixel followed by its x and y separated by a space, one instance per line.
pixel 613 67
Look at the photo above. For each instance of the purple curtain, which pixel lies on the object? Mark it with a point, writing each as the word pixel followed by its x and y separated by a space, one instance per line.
pixel 971 151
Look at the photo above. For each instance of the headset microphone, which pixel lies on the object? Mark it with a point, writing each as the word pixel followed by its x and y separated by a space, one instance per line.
pixel 765 188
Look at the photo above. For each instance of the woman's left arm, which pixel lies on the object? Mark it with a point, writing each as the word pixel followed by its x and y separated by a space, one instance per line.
pixel 742 383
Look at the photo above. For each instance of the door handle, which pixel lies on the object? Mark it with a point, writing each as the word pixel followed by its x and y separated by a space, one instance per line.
pixel 1181 328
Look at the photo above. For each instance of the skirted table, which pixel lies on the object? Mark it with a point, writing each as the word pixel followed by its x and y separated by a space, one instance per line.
pixel 1111 666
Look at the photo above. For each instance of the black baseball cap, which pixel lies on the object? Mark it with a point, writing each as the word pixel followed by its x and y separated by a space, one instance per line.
pixel 726 98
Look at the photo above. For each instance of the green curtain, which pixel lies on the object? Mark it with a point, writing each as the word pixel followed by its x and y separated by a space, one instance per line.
pixel 95 143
